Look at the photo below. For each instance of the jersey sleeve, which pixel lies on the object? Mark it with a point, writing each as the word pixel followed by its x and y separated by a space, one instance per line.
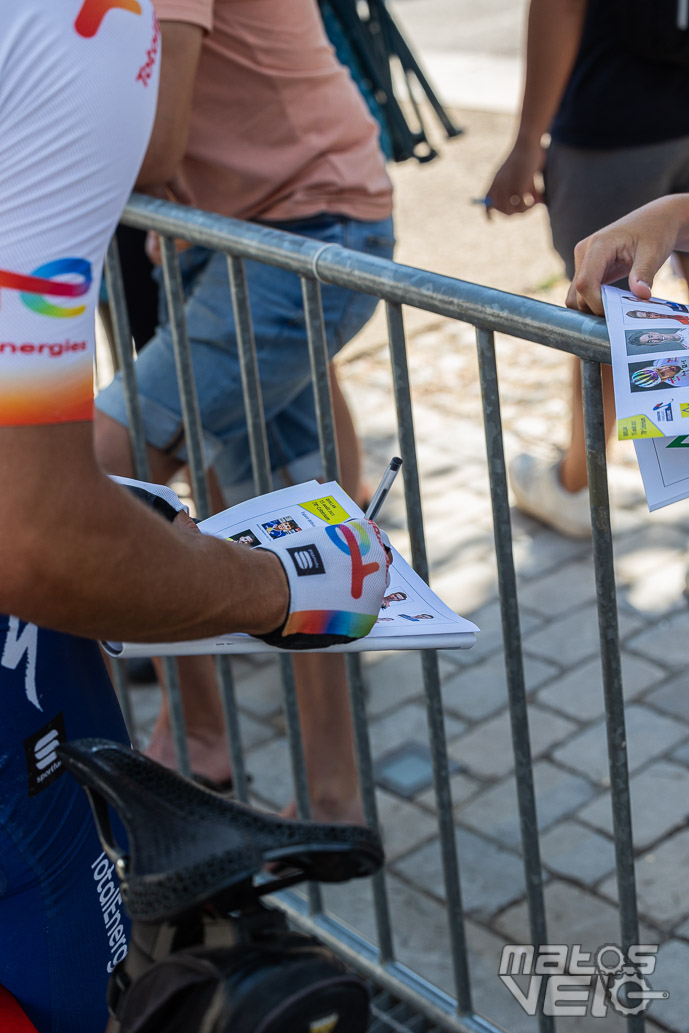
pixel 78 89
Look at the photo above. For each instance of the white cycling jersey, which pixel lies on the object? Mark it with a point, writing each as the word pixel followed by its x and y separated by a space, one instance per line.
pixel 78 90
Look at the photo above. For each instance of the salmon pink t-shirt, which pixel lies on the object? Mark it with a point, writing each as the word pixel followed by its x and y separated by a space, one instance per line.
pixel 279 130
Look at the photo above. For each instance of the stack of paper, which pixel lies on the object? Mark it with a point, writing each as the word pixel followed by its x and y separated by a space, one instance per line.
pixel 412 617
pixel 649 342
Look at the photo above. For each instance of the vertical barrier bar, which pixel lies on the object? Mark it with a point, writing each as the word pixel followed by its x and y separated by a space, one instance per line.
pixel 362 742
pixel 185 374
pixel 429 659
pixel 251 384
pixel 228 700
pixel 318 354
pixel 263 482
pixel 116 669
pixel 594 426
pixel 125 359
pixel 192 429
pixel 123 345
pixel 514 664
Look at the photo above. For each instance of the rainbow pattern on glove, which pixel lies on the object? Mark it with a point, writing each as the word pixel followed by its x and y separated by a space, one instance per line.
pixel 329 622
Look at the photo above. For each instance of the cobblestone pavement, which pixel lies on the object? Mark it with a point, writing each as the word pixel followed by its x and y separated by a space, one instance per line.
pixel 440 230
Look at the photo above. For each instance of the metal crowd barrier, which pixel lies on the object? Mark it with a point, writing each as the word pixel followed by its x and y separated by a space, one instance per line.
pixel 490 311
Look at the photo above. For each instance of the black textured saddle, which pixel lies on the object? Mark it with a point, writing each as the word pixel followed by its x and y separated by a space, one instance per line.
pixel 188 845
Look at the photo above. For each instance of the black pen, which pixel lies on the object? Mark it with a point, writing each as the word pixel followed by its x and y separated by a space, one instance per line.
pixel 383 488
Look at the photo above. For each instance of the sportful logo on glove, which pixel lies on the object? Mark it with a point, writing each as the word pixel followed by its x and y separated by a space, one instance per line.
pixel 307 560
pixel 342 535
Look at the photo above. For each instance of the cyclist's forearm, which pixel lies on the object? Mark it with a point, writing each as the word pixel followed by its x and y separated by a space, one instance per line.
pixel 78 554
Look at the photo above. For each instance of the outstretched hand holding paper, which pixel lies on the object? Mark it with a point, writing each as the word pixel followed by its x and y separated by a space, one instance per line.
pixel 316 526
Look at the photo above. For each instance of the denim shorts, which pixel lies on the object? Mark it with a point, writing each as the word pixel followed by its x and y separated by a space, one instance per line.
pixel 282 351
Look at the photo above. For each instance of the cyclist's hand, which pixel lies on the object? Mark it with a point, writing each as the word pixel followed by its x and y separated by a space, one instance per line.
pixel 337 577
pixel 514 188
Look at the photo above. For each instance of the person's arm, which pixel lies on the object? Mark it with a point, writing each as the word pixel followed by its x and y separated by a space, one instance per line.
pixel 553 37
pixel 181 49
pixel 635 246
pixel 79 554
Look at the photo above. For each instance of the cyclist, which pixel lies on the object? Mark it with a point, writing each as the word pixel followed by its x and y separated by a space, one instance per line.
pixel 79 554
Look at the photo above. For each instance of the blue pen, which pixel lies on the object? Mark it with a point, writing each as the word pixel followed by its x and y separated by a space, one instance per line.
pixel 486 202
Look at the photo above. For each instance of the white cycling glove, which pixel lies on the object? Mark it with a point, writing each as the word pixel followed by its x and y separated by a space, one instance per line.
pixel 337 577
pixel 158 497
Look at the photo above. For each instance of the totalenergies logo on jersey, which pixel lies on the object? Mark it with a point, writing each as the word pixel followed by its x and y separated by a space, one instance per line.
pixel 92 12
pixel 43 283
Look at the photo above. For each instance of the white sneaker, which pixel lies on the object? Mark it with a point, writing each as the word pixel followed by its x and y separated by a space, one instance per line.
pixel 538 492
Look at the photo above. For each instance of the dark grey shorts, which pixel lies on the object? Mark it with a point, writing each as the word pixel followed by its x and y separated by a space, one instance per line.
pixel 587 189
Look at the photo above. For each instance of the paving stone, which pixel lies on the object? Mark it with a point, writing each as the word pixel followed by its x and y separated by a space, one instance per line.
pixel 660 803
pixel 665 641
pixel 461 786
pixel 259 689
pixel 482 690
pixel 146 702
pixel 270 769
pixel 490 876
pixel 491 997
pixel 670 974
pixel 468 588
pixel 661 882
pixel 579 692
pixel 489 642
pixel 657 592
pixel 573 638
pixel 404 825
pixel 487 749
pixel 657 550
pixel 578 852
pixel 422 942
pixel 560 591
pixel 672 697
pixel 573 915
pixel 681 755
pixel 407 723
pixel 648 734
pixel 538 550
pixel 392 681
pixel 494 812
pixel 683 929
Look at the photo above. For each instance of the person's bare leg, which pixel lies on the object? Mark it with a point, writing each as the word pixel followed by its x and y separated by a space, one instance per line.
pixel 203 713
pixel 114 453
pixel 327 736
pixel 321 681
pixel 573 475
pixel 348 448
pixel 203 718
pixel 208 752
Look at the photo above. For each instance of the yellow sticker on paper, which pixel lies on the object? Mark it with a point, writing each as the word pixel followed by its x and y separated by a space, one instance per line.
pixel 684 408
pixel 637 427
pixel 328 509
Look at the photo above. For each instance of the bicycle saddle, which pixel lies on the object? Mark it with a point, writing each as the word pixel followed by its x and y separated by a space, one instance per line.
pixel 187 845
